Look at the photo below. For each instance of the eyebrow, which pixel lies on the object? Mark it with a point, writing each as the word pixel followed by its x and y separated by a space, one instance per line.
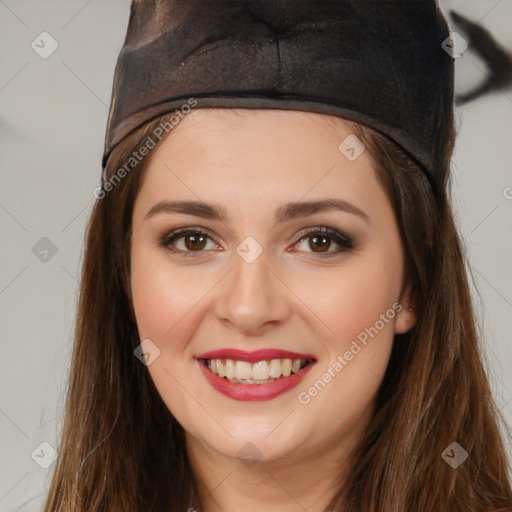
pixel 284 213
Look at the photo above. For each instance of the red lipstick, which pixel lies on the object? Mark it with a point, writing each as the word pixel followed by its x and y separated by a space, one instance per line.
pixel 253 357
pixel 253 392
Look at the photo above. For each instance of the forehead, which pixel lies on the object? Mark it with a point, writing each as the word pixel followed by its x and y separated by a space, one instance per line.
pixel 254 159
pixel 287 144
pixel 251 138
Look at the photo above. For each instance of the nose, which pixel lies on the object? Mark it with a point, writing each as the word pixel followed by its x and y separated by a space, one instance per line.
pixel 253 298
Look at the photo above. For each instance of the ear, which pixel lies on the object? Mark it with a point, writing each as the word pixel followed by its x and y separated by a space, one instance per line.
pixel 406 317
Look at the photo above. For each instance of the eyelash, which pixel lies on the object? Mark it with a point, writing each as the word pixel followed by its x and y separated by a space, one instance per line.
pixel 343 241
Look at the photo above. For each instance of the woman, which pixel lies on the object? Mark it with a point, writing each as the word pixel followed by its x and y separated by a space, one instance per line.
pixel 275 311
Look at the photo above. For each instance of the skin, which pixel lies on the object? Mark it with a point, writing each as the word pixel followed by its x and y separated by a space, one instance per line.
pixel 291 297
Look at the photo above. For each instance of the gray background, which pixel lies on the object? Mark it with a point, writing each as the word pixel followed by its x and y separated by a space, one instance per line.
pixel 53 115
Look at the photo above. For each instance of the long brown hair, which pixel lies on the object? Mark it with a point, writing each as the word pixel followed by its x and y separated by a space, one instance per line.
pixel 123 451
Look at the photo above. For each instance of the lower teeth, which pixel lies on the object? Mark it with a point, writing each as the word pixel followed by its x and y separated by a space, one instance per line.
pixel 250 381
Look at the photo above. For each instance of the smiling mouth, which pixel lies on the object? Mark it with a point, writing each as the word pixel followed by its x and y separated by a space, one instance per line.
pixel 260 372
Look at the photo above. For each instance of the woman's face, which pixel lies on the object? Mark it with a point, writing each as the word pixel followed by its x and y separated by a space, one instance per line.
pixel 257 285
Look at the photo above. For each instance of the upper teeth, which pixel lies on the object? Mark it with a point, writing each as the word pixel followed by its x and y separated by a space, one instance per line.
pixel 259 371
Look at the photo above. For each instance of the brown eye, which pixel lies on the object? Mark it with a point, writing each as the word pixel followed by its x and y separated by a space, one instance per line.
pixel 192 241
pixel 319 243
pixel 321 239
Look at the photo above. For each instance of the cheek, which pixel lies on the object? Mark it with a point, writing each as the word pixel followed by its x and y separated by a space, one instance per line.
pixel 361 318
pixel 360 306
pixel 163 294
pixel 355 308
pixel 347 300
pixel 166 303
